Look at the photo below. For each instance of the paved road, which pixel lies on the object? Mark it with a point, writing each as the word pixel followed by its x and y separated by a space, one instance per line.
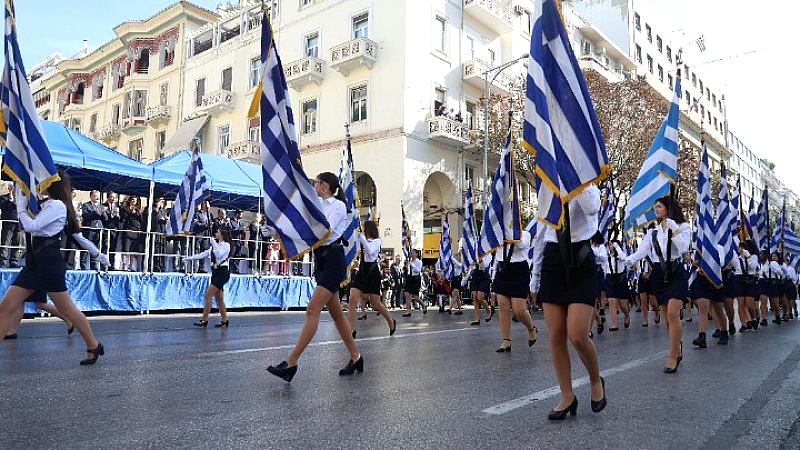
pixel 436 384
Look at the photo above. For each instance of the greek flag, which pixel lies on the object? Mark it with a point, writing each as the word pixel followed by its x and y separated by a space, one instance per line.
pixel 532 228
pixel 191 194
pixel 706 255
pixel 791 241
pixel 348 185
pixel 369 212
pixel 736 212
pixel 291 205
pixel 658 171
pixel 27 158
pixel 725 219
pixel 445 261
pixel 760 221
pixel 469 239
pixel 608 210
pixel 747 226
pixel 560 126
pixel 502 223
pixel 406 233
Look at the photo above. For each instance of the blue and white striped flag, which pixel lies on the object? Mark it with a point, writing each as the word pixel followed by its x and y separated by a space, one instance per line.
pixel 532 228
pixel 791 241
pixel 502 223
pixel 749 229
pixel 469 234
pixel 560 127
pixel 608 211
pixel 706 255
pixel 370 216
pixel 194 189
pixel 760 220
pixel 348 185
pixel 725 219
pixel 736 225
pixel 406 233
pixel 658 171
pixel 445 261
pixel 291 205
pixel 27 158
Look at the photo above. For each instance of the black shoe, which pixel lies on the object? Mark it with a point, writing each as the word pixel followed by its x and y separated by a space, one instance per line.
pixel 716 334
pixel 283 370
pixel 441 309
pixel 394 328
pixel 700 341
pixel 689 319
pixel 354 334
pixel 613 329
pixel 749 325
pixel 449 311
pixel 407 315
pixel 9 337
pixel 364 317
pixel 723 338
pixel 764 322
pixel 459 312
pixel 776 321
pixel 743 328
pixel 378 313
pixel 627 322
pixel 223 324
pixel 477 322
pixel 531 342
pixel 561 415
pixel 755 324
pixel 351 367
pixel 504 349
pixel 645 325
pixel 201 323
pixel 97 352
pixel 600 405
pixel 600 327
pixel 731 329
pixel 70 330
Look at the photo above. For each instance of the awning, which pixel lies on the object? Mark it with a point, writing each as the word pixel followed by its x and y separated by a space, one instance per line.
pixel 182 138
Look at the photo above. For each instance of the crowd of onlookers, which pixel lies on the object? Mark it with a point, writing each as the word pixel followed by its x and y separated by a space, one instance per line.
pixel 118 226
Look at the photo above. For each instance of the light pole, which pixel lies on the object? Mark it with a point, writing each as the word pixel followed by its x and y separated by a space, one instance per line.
pixel 487 83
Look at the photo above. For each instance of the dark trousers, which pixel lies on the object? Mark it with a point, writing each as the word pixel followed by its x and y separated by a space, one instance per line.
pixel 110 245
pixel 87 261
pixel 9 237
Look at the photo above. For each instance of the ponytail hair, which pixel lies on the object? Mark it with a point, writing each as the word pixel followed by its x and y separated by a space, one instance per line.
pixel 62 190
pixel 333 183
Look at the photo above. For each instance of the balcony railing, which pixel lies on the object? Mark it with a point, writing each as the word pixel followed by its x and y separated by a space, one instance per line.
pixel 157 114
pixel 353 54
pixel 109 132
pixel 473 74
pixel 448 131
pixel 217 101
pixel 491 13
pixel 304 71
pixel 134 121
pixel 246 150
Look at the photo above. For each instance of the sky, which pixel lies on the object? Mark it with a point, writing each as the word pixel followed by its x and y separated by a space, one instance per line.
pixel 759 88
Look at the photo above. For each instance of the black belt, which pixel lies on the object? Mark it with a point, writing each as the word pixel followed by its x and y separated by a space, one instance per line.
pixel 322 250
pixel 36 245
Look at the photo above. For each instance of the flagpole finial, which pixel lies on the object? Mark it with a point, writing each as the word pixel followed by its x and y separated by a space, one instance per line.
pixel 347 129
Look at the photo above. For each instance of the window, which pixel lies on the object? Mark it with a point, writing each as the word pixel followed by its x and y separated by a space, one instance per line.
pixel 660 73
pixel 586 48
pixel 139 104
pixel 93 123
pixel 702 111
pixel 492 58
pixel 708 94
pixel 115 114
pixel 309 109
pixel 76 124
pixel 161 139
pixel 254 133
pixel 199 91
pixel 163 94
pixel 648 32
pixel 659 44
pixel 469 174
pixel 311 45
pixel 670 81
pixel 637 21
pixel 126 105
pixel 440 34
pixel 224 138
pixel 669 54
pixel 527 22
pixel 650 63
pixel 77 96
pixel 304 3
pixel 638 53
pixel 255 72
pixel 438 101
pixel 135 149
pixel 143 63
pixel 714 99
pixel 471 118
pixel 688 98
pixel 361 26
pixel 358 103
pixel 227 79
pixel 694 80
pixel 701 87
pixel 715 124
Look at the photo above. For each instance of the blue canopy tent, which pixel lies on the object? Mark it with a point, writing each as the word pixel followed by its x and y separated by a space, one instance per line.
pixel 233 184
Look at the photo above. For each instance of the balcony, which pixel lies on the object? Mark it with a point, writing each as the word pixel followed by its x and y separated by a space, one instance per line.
pixel 473 74
pixel 133 125
pixel 447 131
pixel 353 54
pixel 304 71
pixel 217 101
pixel 490 13
pixel 157 114
pixel 109 133
pixel 246 151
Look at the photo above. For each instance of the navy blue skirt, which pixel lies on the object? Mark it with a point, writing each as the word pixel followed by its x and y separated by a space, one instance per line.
pixel 675 288
pixel 789 290
pixel 455 283
pixel 644 286
pixel 368 279
pixel 479 281
pixel 220 276
pixel 702 288
pixel 564 287
pixel 617 286
pixel 413 284
pixel 46 272
pixel 513 280
pixel 329 267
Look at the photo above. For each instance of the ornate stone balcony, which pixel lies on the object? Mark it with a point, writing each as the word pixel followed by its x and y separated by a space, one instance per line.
pixel 246 151
pixel 473 74
pixel 447 131
pixel 490 13
pixel 157 114
pixel 304 71
pixel 110 132
pixel 217 101
pixel 352 54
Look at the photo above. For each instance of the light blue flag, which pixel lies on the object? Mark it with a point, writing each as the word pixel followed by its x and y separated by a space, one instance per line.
pixel 469 235
pixel 658 171
pixel 194 189
pixel 291 205
pixel 560 127
pixel 502 223
pixel 445 261
pixel 27 158
pixel 706 255
pixel 348 185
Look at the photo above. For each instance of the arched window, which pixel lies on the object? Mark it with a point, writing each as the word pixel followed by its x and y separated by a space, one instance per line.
pixel 77 96
pixel 143 61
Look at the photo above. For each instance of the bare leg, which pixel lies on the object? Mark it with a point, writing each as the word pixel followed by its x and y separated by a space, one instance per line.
pixel 352 306
pixel 520 306
pixel 613 306
pixel 320 298
pixel 556 317
pixel 744 314
pixel 377 305
pixel 209 298
pixel 335 310
pixel 504 310
pixel 223 310
pixel 579 319
pixel 644 305
pixel 702 314
pixel 53 311
pixel 10 306
pixel 64 304
pixel 728 305
pixel 455 299
pixel 672 312
pixel 763 306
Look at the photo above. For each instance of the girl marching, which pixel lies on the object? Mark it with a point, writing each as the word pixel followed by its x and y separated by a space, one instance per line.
pixel 367 283
pixel 219 252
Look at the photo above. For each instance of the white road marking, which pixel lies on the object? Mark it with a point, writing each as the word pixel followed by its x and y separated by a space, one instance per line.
pixel 511 405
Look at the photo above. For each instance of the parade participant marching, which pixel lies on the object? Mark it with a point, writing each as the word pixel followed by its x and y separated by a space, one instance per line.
pixel 367 283
pixel 45 268
pixel 512 286
pixel 647 299
pixel 220 253
pixel 745 268
pixel 329 272
pixel 601 260
pixel 773 272
pixel 455 286
pixel 789 290
pixel 617 291
pixel 413 283
pixel 479 289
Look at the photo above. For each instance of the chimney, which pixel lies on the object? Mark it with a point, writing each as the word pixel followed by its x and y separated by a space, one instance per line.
pixel 85 45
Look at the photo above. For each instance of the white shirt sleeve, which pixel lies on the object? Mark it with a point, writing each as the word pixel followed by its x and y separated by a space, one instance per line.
pixel 681 236
pixel 589 199
pixel 49 222
pixel 645 247
pixel 86 244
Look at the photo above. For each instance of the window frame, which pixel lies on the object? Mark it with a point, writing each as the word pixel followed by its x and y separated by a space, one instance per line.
pixel 367 14
pixel 306 127
pixel 363 108
pixel 306 48
pixel 222 150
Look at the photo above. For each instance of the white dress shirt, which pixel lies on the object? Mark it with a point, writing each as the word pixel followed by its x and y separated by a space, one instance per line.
pixel 789 273
pixel 601 257
pixel 49 222
pixel 221 251
pixel 583 216
pixel 616 264
pixel 458 268
pixel 681 238
pixel 771 270
pixel 370 247
pixel 336 213
pixel 521 249
pixel 415 267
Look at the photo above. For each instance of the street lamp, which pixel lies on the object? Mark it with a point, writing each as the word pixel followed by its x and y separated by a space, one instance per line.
pixel 487 83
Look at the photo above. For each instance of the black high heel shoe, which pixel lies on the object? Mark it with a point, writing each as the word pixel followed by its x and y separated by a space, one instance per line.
pixel 283 370
pixel 97 352
pixel 561 415
pixel 70 330
pixel 600 405
pixel 533 341
pixel 394 328
pixel 351 367
pixel 222 324
pixel 201 323
pixel 354 333
pixel 504 349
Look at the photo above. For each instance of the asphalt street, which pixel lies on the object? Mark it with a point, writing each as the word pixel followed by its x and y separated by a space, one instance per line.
pixel 437 383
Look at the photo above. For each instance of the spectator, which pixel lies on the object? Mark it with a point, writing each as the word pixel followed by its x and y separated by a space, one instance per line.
pixel 70 247
pixel 237 234
pixel 112 223
pixel 158 217
pixel 92 223
pixel 252 243
pixel 396 271
pixel 202 232
pixel 221 221
pixel 131 215
pixel 9 236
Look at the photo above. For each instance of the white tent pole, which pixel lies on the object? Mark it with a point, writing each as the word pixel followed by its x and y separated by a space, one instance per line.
pixel 147 252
